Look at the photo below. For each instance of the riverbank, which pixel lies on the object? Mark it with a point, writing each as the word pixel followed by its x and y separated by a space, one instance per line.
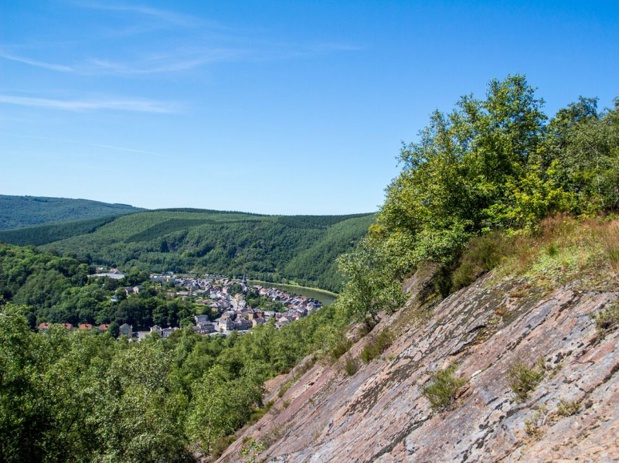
pixel 324 296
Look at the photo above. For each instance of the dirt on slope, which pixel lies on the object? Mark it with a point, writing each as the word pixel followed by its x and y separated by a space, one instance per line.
pixel 380 413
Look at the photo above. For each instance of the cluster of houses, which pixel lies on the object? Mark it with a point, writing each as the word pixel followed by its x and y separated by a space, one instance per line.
pixel 124 329
pixel 81 327
pixel 225 307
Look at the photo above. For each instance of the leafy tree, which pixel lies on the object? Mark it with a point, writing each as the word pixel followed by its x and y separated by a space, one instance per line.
pixel 491 164
pixel 220 406
pixel 114 330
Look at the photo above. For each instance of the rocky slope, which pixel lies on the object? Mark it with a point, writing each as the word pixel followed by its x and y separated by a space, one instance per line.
pixel 380 413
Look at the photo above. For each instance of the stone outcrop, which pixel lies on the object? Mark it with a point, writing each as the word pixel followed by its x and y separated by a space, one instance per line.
pixel 380 413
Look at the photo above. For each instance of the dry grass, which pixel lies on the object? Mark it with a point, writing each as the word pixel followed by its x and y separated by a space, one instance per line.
pixel 563 249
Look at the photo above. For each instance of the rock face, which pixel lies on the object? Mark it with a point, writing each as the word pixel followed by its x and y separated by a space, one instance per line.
pixel 380 413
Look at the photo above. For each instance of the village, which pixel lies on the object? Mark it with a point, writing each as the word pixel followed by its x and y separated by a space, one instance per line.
pixel 224 305
pixel 227 308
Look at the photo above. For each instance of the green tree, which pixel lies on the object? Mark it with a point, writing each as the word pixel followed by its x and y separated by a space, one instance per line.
pixel 220 406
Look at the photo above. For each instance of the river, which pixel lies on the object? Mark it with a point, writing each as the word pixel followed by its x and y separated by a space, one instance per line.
pixel 325 297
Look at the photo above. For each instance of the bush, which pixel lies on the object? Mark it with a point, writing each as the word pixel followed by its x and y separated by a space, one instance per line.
pixel 607 320
pixel 522 379
pixel 481 255
pixel 340 348
pixel 376 345
pixel 443 388
pixel 351 366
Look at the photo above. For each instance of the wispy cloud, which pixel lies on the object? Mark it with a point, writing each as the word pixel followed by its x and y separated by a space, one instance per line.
pixel 123 148
pixel 137 105
pixel 191 43
pixel 164 63
pixel 32 62
pixel 84 143
pixel 163 16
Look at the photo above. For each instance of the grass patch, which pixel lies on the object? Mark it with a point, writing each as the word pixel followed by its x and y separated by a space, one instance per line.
pixel 286 386
pixel 272 435
pixel 221 444
pixel 258 413
pixel 568 408
pixel 443 388
pixel 534 426
pixel 562 249
pixel 251 449
pixel 481 255
pixel 522 378
pixel 376 345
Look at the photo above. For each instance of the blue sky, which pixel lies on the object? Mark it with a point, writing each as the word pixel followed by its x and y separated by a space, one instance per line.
pixel 277 107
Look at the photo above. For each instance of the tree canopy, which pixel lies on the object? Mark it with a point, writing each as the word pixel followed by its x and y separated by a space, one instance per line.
pixel 491 164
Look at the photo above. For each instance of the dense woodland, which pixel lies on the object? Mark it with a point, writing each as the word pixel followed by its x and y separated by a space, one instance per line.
pixel 302 249
pixel 26 211
pixel 488 173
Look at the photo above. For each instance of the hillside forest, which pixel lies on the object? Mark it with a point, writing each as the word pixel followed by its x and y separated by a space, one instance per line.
pixel 299 249
pixel 478 182
pixel 27 211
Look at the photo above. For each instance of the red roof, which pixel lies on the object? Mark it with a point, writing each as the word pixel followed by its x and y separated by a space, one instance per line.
pixel 85 326
pixel 103 327
pixel 44 326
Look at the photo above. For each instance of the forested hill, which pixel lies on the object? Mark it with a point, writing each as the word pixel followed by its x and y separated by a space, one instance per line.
pixel 302 249
pixel 26 211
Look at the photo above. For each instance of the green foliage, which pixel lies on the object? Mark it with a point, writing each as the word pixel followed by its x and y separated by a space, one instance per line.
pixel 26 211
pixel 94 398
pixel 268 248
pixel 85 397
pixel 340 348
pixel 481 255
pixel 522 378
pixel 491 165
pixel 48 233
pixel 351 366
pixel 373 274
pixel 250 450
pixel 220 406
pixel 376 345
pixel 443 388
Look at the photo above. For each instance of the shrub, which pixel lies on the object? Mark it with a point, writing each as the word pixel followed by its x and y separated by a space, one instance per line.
pixel 251 449
pixel 522 379
pixel 607 320
pixel 443 388
pixel 481 255
pixel 221 444
pixel 340 348
pixel 351 366
pixel 376 345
